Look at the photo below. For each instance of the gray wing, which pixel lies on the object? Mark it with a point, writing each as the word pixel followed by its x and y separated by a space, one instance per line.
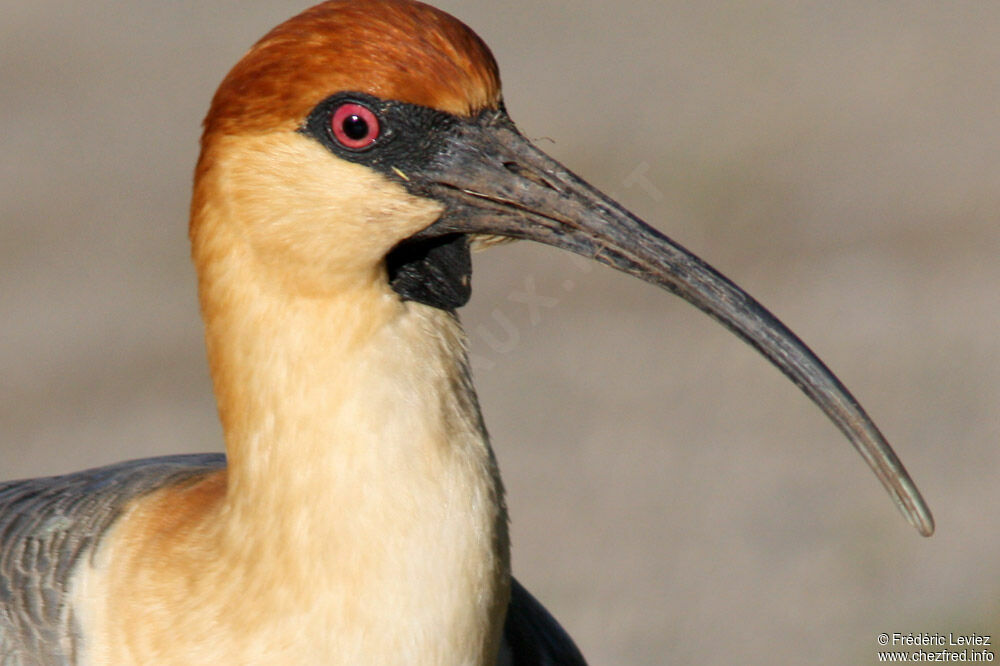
pixel 532 637
pixel 47 526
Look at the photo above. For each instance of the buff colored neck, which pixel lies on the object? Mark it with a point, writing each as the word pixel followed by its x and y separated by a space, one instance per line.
pixel 361 518
pixel 357 455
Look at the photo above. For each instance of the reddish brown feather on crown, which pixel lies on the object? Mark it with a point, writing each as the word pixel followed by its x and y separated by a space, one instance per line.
pixel 393 49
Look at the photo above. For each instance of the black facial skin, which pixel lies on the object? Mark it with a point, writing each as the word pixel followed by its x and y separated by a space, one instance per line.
pixel 409 137
pixel 433 271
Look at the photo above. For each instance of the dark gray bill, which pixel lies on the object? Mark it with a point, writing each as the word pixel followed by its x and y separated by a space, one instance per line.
pixel 495 182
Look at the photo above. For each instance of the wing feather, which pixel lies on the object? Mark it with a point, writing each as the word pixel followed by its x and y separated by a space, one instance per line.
pixel 532 637
pixel 47 527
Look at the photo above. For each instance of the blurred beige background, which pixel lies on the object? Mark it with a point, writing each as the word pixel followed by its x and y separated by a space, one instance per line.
pixel 674 499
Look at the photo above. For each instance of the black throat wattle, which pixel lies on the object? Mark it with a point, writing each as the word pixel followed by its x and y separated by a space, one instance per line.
pixel 432 271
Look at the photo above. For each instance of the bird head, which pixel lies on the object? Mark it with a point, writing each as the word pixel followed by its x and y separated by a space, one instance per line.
pixel 366 142
pixel 310 137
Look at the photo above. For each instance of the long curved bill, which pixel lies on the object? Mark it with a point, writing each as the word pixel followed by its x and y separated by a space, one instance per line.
pixel 495 182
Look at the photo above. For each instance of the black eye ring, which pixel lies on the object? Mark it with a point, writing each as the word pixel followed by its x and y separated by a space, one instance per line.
pixel 355 126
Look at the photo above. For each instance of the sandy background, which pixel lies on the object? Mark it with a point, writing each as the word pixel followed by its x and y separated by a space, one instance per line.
pixel 674 498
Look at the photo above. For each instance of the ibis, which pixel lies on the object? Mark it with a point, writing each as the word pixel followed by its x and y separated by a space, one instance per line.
pixel 350 162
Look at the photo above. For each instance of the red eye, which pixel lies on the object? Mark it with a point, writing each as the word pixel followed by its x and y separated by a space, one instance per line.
pixel 354 126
